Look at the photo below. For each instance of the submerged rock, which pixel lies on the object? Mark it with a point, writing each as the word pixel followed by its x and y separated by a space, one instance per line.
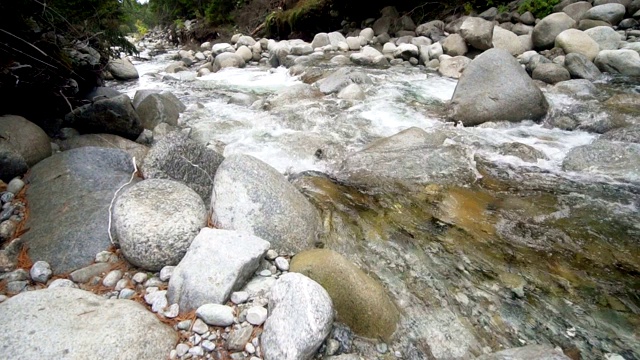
pixel 360 301
pixel 611 158
pixel 494 87
pixel 342 78
pixel 531 352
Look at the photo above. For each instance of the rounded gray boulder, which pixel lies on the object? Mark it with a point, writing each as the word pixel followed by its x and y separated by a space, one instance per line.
pixel 494 87
pixel 27 138
pixel 156 220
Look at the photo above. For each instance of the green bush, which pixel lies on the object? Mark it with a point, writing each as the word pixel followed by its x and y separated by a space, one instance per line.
pixel 539 8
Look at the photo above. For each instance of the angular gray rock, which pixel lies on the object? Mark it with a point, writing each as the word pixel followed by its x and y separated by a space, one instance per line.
pixel 217 263
pixel 67 323
pixel 505 39
pixel 25 137
pixel 545 32
pixel 251 196
pixel 411 157
pixel 156 109
pixel 478 32
pixel 122 69
pixel 530 352
pixel 453 67
pixel 580 67
pixel 69 199
pixel 176 157
pixel 624 62
pixel 114 115
pixel 155 221
pixel 495 87
pixel 300 318
pixel 341 78
pixel 454 45
pixel 12 163
pixel 320 40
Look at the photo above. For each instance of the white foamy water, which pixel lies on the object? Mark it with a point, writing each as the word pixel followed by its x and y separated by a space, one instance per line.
pixel 289 137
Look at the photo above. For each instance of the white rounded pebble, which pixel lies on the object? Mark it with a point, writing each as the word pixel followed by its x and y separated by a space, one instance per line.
pixel 172 311
pixel 139 278
pixel 196 351
pixel 166 272
pixel 249 348
pixel 282 264
pixel 257 315
pixel 195 339
pixel 199 327
pixel 271 254
pixel 126 294
pixel 14 186
pixel 215 314
pixel 62 283
pixel 121 284
pixel 184 325
pixel 173 354
pixel 382 348
pixel 3 298
pixel 41 272
pixel 182 349
pixel 239 297
pixel 112 278
pixel 208 346
pixel 153 282
pixel 157 300
pixel 265 273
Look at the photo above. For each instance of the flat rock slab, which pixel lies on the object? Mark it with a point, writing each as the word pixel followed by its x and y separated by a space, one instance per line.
pixel 69 199
pixel 66 323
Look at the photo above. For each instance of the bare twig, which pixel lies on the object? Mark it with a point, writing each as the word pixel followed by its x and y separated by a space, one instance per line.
pixel 67 100
pixel 24 41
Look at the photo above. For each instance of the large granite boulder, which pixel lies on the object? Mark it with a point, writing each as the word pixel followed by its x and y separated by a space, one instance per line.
pixel 155 109
pixel 545 32
pixel 576 41
pixel 616 159
pixel 155 221
pixel 69 197
pixel 612 13
pixel 624 62
pixel 226 60
pixel 217 263
pixel 360 301
pixel 581 68
pixel 22 144
pixel 67 323
pixel 122 69
pixel 606 37
pixel 494 87
pixel 137 151
pixel 251 196
pixel 477 32
pixel 114 115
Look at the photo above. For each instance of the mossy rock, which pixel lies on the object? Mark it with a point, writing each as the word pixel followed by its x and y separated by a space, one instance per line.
pixel 360 301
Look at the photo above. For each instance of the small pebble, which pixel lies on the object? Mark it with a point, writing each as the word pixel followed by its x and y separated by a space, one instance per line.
pixel 332 348
pixel 16 275
pixel 208 346
pixel 265 273
pixel 215 314
pixel 112 278
pixel 382 348
pixel 196 351
pixel 173 354
pixel 62 283
pixel 250 348
pixel 126 294
pixel 153 282
pixel 199 327
pixel 166 272
pixel 172 311
pixel 121 284
pixel 15 287
pixel 282 264
pixel 41 272
pixel 14 186
pixel 139 278
pixel 257 315
pixel 105 257
pixel 6 197
pixel 182 349
pixel 239 297
pixel 271 254
pixel 7 212
pixel 3 298
pixel 184 325
pixel 195 339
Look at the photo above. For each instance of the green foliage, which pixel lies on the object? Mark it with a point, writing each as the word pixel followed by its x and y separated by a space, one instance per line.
pixel 539 8
pixel 468 8
pixel 141 28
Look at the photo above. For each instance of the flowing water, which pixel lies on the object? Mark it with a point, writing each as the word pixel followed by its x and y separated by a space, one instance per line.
pixel 526 253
